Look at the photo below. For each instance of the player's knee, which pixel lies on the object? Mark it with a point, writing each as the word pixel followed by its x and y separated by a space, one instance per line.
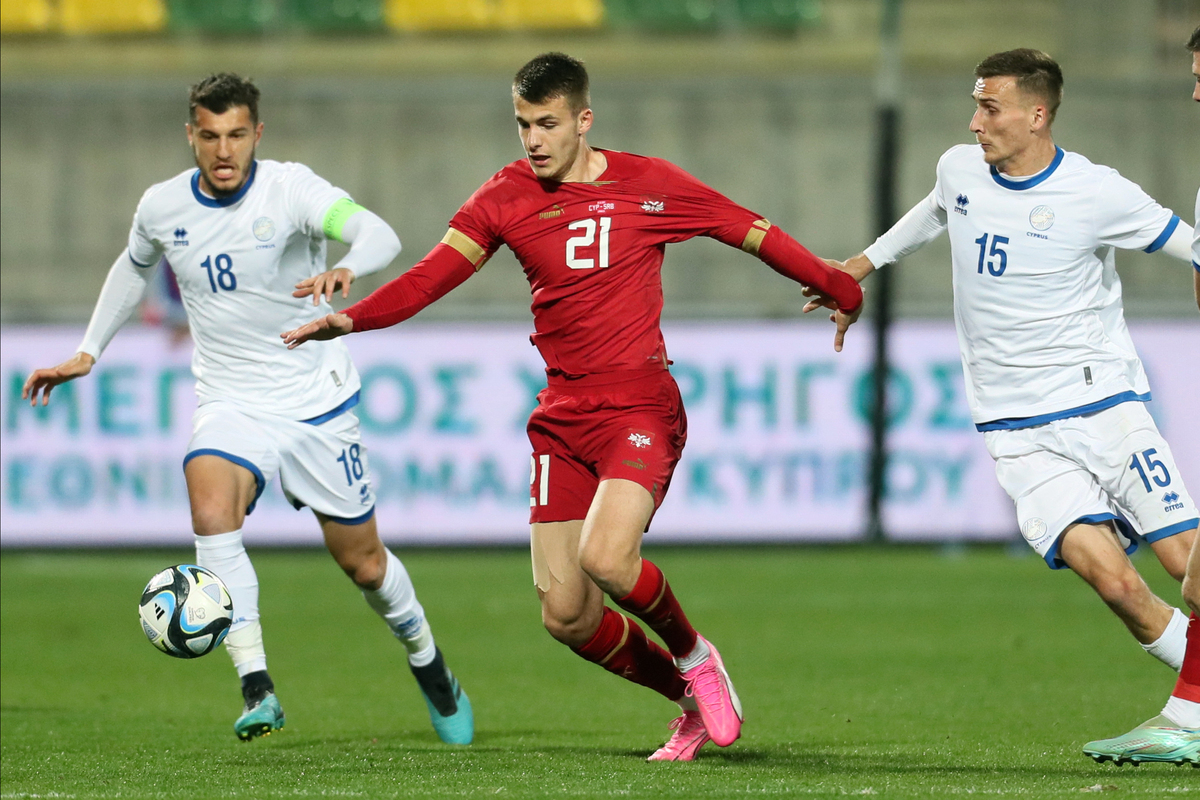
pixel 572 629
pixel 1191 592
pixel 615 573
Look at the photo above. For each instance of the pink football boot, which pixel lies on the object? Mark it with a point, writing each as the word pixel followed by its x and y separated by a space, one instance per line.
pixel 689 736
pixel 713 692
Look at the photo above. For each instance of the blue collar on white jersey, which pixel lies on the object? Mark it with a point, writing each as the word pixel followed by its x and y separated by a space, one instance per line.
pixel 1029 183
pixel 222 202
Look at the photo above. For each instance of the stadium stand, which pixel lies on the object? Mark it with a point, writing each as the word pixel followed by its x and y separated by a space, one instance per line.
pixel 111 16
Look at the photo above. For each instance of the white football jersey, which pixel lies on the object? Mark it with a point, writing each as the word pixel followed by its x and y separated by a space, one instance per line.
pixel 237 260
pixel 1037 300
pixel 1196 237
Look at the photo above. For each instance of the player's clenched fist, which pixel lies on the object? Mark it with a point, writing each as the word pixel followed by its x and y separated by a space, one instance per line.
pixel 329 326
pixel 43 380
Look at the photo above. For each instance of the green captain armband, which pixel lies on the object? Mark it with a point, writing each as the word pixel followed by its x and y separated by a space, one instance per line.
pixel 335 218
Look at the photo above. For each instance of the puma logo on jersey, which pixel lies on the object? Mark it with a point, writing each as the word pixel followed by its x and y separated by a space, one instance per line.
pixel 555 211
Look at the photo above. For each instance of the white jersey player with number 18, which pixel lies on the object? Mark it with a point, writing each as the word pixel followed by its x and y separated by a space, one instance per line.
pixel 245 239
pixel 1052 376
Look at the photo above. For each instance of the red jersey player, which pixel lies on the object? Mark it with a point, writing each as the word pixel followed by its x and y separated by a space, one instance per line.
pixel 589 228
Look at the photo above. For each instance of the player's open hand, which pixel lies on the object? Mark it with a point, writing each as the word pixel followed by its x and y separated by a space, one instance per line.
pixel 844 320
pixel 325 284
pixel 329 326
pixel 44 380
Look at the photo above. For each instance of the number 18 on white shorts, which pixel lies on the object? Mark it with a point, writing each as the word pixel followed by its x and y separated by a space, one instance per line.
pixel 1109 465
pixel 321 464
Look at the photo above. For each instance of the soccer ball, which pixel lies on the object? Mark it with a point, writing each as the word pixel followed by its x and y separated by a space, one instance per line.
pixel 186 611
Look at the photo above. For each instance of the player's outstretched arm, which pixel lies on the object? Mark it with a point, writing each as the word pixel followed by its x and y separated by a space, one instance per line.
pixel 373 245
pixel 443 269
pixel 123 290
pixel 44 380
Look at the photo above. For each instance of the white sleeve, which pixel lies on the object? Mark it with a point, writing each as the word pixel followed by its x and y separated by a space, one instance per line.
pixel 144 250
pixel 309 198
pixel 1128 218
pixel 123 290
pixel 373 244
pixel 1196 237
pixel 1179 243
pixel 923 223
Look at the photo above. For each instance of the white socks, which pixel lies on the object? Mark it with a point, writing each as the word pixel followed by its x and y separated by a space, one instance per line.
pixel 225 556
pixel 1183 713
pixel 695 658
pixel 1169 647
pixel 396 601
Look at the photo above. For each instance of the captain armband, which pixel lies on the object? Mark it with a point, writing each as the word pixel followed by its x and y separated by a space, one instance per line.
pixel 754 236
pixel 336 216
pixel 466 247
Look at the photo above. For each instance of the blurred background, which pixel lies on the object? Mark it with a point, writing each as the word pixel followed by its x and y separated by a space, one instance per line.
pixel 406 104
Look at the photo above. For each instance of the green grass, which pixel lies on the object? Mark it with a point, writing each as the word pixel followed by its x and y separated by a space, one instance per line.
pixel 904 673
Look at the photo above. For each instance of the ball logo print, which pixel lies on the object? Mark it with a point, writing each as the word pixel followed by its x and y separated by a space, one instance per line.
pixel 264 228
pixel 186 611
pixel 1041 218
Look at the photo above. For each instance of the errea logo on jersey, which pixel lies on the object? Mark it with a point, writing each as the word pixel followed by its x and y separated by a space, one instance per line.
pixel 960 204
pixel 602 206
pixel 1171 502
pixel 181 237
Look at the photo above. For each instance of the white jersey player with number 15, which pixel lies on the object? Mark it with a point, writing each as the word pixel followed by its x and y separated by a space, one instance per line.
pixel 1052 376
pixel 245 239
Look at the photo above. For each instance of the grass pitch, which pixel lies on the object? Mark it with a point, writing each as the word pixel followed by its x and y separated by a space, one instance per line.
pixel 901 673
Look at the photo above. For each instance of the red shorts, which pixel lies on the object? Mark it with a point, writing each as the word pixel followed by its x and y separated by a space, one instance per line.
pixel 629 426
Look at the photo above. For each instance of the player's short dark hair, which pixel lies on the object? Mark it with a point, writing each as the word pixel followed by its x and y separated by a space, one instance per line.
pixel 1036 73
pixel 218 93
pixel 552 75
pixel 1194 41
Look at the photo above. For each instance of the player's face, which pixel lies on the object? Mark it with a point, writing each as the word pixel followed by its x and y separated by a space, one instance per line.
pixel 224 148
pixel 553 135
pixel 1196 75
pixel 1006 120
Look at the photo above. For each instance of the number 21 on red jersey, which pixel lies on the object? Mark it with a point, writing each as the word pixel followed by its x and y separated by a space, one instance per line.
pixel 587 239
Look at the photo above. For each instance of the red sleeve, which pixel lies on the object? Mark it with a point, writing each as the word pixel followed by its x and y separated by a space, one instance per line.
pixel 702 211
pixel 481 217
pixel 793 260
pixel 435 275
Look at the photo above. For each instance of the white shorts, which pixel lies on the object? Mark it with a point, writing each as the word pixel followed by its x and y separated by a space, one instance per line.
pixel 1110 465
pixel 321 464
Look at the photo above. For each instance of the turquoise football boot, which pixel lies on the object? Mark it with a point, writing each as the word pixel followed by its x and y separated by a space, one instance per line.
pixel 449 707
pixel 260 719
pixel 1158 739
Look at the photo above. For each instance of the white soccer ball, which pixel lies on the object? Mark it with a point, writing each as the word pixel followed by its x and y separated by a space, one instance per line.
pixel 186 611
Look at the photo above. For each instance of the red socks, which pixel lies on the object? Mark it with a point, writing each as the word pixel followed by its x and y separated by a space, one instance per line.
pixel 654 603
pixel 621 647
pixel 1188 685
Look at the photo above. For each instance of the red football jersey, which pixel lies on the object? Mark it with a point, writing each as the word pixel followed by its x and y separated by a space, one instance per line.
pixel 593 252
pixel 593 255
